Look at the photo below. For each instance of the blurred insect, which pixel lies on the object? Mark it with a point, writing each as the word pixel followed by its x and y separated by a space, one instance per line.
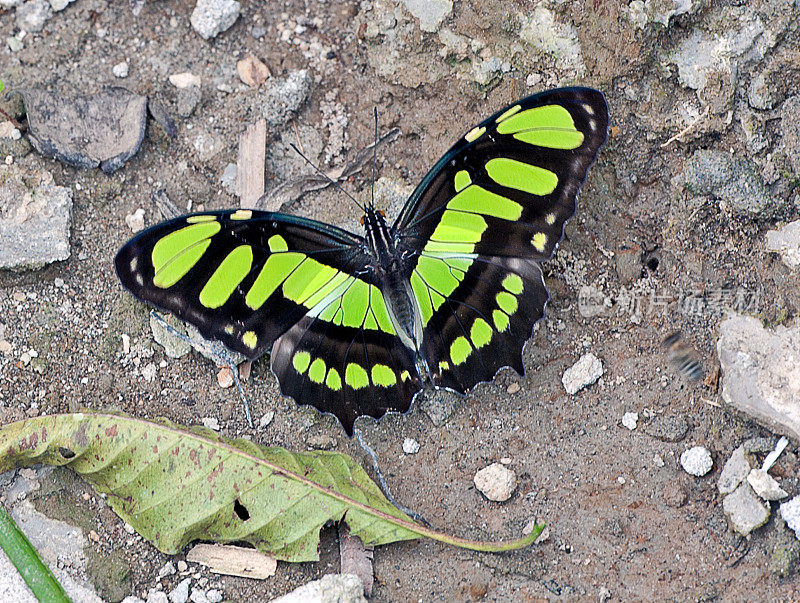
pixel 683 358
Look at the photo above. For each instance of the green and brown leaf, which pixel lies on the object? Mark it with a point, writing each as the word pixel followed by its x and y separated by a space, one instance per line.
pixel 176 485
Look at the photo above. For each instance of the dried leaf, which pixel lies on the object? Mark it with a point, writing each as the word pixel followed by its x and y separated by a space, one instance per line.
pixel 175 485
pixel 356 559
pixel 250 165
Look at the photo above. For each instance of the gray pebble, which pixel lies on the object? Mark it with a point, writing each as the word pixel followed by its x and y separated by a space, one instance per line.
pixel 667 428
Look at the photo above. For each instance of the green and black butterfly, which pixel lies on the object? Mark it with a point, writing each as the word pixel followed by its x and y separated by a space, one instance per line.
pixel 448 294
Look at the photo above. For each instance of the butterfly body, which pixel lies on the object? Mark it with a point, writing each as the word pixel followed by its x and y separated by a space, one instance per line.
pixel 448 294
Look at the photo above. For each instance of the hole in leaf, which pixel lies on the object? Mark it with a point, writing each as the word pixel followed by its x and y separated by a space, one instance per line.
pixel 240 510
pixel 66 453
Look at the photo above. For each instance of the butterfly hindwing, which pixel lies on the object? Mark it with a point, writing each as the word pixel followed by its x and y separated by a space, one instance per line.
pixel 345 371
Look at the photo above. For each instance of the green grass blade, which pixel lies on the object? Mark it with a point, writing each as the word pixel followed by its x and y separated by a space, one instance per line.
pixel 30 566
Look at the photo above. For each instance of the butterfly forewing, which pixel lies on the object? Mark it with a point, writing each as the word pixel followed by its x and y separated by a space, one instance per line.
pixel 242 277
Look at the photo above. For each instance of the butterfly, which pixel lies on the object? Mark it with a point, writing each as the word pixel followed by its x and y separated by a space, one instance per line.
pixel 358 324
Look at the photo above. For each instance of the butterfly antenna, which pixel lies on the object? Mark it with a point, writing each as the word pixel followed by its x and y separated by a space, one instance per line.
pixel 374 157
pixel 328 178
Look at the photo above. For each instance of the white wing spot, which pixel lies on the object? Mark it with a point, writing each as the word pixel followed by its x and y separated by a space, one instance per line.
pixel 134 263
pixel 139 280
pixel 588 108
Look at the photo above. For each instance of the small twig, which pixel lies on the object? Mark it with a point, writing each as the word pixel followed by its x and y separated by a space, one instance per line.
pixel 687 129
pixel 16 124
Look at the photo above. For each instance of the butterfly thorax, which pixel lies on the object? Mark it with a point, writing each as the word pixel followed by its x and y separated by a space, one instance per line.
pixel 387 266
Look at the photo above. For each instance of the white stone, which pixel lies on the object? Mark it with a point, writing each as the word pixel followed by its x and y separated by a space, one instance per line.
pixel 157 596
pixel 765 485
pixel 744 510
pixel 266 419
pixel 759 371
pixel 135 221
pixel 120 70
pixel 734 472
pixel 167 570
pixel 184 80
pixel 697 461
pixel 149 372
pixel 32 15
pixel 59 5
pixel 210 423
pixel 630 420
pixel 786 241
pixel 582 374
pixel 430 13
pixel 790 512
pixel 331 588
pixel 180 594
pixel 211 17
pixel 410 446
pixel 496 482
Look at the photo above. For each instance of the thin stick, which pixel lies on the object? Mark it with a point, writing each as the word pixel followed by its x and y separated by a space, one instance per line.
pixel 374 158
pixel 687 129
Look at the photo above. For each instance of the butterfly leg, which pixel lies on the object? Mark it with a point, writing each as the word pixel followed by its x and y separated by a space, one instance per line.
pixel 382 480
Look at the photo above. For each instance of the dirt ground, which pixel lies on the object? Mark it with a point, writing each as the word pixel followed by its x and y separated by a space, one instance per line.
pixel 622 524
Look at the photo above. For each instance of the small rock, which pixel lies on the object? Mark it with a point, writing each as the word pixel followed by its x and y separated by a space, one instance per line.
pixel 734 472
pixel 132 599
pixel 744 510
pixel 34 221
pixel 228 178
pixel 167 570
pixel 211 17
pixel 180 594
pixel 184 80
pixel 149 372
pixel 252 71
pixel 198 596
pixel 765 485
pixel 135 221
pixel 214 596
pixel 182 566
pixel 496 482
pixel 188 99
pixel 157 596
pixel 790 512
pixel 759 371
pixel 667 428
pixel 174 346
pixel 786 241
pixel 59 5
pixel 513 388
pixel 283 98
pixel 14 43
pixel 582 374
pixel 266 419
pixel 338 588
pixel 410 446
pixel 658 460
pixel 697 461
pixel 430 13
pixel 211 423
pixel 321 441
pixel 765 92
pixel 225 377
pixel 543 30
pixel 630 420
pixel 32 15
pixel 674 495
pixel 120 70
pixel 732 179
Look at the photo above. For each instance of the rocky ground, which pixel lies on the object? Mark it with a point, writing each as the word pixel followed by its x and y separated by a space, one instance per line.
pixel 690 214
